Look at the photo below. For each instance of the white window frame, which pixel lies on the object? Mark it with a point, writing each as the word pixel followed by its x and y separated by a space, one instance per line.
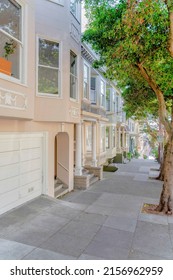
pixel 50 95
pixel 22 47
pixel 77 14
pixel 88 80
pixel 74 76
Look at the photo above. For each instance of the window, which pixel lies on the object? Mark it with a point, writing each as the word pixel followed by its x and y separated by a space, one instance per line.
pixel 86 82
pixel 75 8
pixel 102 90
pixel 114 103
pixel 11 43
pixel 108 99
pixel 93 96
pixel 117 104
pixel 73 75
pixel 48 67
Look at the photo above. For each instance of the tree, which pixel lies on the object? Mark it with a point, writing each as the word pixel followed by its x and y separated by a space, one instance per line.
pixel 134 39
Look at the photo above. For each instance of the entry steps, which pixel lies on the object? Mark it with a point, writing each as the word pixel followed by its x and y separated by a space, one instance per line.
pixel 92 178
pixel 60 189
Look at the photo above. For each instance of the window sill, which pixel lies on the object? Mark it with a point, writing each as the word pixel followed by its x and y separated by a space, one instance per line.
pixel 12 80
pixel 48 95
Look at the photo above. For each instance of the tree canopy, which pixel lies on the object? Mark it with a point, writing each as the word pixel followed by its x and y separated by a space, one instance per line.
pixel 133 41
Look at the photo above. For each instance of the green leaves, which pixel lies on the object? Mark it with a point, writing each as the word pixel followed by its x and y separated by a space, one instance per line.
pixel 126 36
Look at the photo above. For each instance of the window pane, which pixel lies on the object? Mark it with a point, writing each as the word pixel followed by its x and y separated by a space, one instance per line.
pixel 73 86
pixel 47 80
pixel 10 17
pixel 14 57
pixel 48 53
pixel 73 64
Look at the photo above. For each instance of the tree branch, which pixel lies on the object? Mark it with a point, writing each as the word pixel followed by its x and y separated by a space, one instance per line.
pixel 160 97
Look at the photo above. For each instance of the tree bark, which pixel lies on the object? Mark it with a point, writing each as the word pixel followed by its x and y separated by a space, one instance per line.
pixel 162 167
pixel 166 198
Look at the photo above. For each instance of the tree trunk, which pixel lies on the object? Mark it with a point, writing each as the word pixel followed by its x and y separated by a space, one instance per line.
pixel 166 198
pixel 162 167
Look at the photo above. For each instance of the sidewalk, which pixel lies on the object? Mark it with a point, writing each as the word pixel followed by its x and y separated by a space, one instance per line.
pixel 103 222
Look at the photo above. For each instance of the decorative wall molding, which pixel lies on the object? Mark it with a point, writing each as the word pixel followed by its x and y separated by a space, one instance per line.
pixel 75 113
pixel 75 33
pixel 13 100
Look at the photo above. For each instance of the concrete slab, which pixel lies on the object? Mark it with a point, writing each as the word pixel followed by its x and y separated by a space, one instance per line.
pixel 114 237
pixel 97 209
pixel 66 244
pixel 11 250
pixel 141 177
pixel 144 169
pixel 137 255
pixel 121 223
pixel 64 212
pixel 86 197
pixel 152 239
pixel 158 219
pixel 30 234
pixel 80 229
pixel 89 257
pixel 106 251
pixel 41 254
pixel 91 218
pixel 48 221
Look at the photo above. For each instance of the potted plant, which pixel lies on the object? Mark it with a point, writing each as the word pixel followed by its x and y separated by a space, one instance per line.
pixel 5 64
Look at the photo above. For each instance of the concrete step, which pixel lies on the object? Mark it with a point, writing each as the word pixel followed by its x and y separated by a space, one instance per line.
pixel 93 180
pixel 85 171
pixel 57 180
pixel 60 192
pixel 58 186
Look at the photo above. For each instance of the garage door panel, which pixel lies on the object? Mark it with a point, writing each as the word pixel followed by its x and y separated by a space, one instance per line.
pixel 30 154
pixel 9 171
pixel 30 177
pixel 8 198
pixel 30 189
pixel 30 143
pixel 9 145
pixel 31 165
pixel 7 158
pixel 9 184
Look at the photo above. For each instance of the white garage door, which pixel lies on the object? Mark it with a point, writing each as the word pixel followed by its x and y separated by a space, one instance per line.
pixel 21 168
